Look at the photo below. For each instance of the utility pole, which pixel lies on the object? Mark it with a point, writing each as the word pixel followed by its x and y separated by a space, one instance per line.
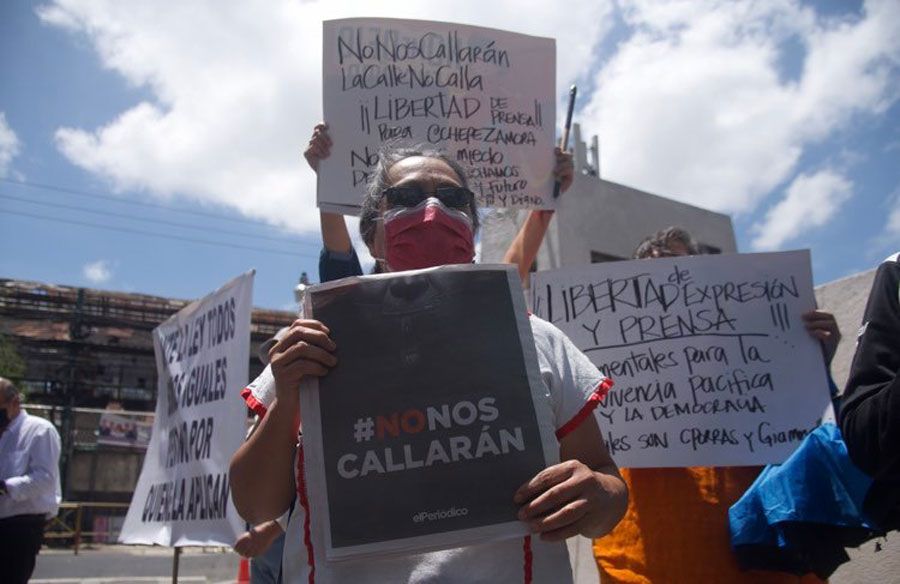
pixel 77 333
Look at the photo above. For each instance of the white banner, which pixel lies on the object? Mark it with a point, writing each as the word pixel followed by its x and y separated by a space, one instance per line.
pixel 202 357
pixel 711 362
pixel 485 96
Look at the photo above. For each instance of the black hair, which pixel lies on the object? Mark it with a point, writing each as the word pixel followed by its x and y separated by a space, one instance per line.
pixel 659 241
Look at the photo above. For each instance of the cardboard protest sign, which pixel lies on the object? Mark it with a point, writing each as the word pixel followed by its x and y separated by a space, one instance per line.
pixel 712 363
pixel 485 96
pixel 202 357
pixel 433 417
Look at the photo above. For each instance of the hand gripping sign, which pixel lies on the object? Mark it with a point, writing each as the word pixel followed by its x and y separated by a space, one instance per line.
pixel 434 416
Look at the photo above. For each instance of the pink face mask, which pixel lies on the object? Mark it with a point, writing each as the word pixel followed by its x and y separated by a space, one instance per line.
pixel 426 236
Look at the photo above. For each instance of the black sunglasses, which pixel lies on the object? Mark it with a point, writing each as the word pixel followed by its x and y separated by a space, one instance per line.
pixel 410 196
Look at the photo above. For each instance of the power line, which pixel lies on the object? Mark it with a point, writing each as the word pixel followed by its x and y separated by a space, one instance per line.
pixel 146 219
pixel 82 193
pixel 154 234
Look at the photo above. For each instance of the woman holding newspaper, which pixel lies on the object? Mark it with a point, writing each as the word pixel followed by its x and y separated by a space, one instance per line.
pixel 419 213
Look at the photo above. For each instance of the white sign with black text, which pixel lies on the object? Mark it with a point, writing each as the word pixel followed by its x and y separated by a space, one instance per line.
pixel 202 357
pixel 485 96
pixel 711 361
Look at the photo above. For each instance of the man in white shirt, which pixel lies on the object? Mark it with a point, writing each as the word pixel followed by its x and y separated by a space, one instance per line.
pixel 29 484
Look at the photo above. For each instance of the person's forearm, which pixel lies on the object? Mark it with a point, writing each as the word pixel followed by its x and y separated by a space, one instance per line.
pixel 42 475
pixel 335 236
pixel 262 477
pixel 524 248
pixel 611 482
pixel 269 529
pixel 22 488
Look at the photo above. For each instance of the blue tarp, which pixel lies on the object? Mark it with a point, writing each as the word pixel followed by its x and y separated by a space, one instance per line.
pixel 799 516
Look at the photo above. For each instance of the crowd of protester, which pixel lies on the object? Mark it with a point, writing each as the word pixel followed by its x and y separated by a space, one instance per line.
pixel 695 524
pixel 783 523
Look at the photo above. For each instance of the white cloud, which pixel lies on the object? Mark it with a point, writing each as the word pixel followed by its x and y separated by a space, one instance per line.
pixel 890 234
pixel 696 105
pixel 9 146
pixel 237 88
pixel 98 272
pixel 892 228
pixel 810 201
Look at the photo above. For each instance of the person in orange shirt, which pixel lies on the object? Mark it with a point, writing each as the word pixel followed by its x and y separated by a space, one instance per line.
pixel 676 527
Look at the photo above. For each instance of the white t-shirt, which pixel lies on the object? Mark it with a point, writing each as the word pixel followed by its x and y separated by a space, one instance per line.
pixel 574 388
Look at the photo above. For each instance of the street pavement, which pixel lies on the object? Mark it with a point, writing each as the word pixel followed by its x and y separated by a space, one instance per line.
pixel 119 564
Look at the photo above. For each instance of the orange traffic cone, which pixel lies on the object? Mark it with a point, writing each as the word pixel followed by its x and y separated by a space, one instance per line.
pixel 244 571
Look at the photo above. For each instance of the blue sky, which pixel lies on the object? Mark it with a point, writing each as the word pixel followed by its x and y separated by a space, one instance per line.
pixel 784 114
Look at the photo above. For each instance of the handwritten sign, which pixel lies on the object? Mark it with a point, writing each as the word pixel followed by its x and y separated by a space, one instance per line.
pixel 202 357
pixel 712 363
pixel 434 416
pixel 484 96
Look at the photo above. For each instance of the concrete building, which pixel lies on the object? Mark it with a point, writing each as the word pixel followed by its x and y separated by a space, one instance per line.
pixel 599 220
pixel 86 347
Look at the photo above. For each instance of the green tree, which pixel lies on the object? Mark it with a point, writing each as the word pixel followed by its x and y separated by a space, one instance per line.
pixel 12 366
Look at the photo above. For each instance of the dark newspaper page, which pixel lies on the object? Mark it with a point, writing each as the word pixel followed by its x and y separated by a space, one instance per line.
pixel 434 415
